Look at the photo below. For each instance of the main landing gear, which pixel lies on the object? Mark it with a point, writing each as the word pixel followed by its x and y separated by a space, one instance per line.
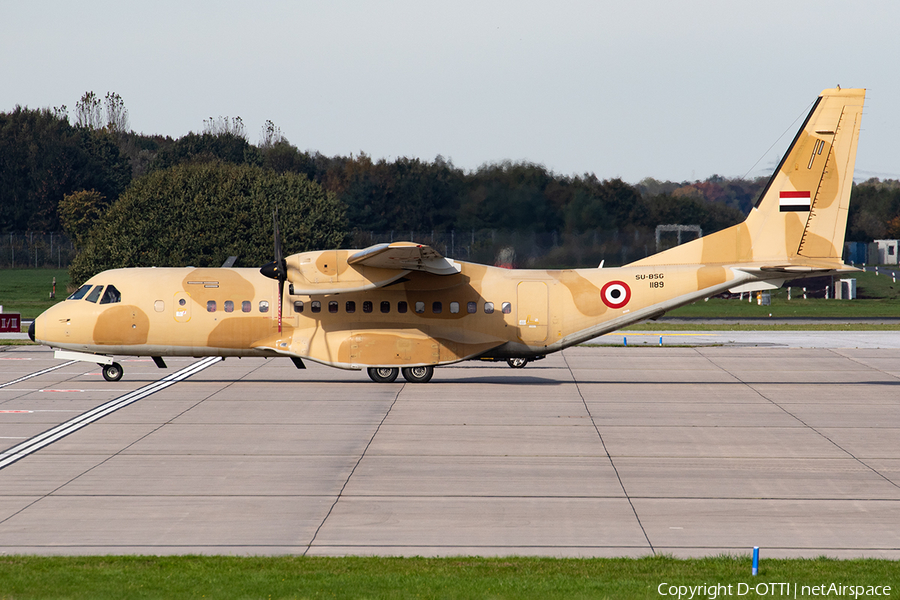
pixel 383 374
pixel 410 374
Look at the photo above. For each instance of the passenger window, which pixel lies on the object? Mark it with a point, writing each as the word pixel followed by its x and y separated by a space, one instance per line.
pixel 111 295
pixel 472 307
pixel 315 306
pixel 211 306
pixel 229 306
pixel 350 307
pixel 506 308
pixel 95 294
pixel 454 307
pixel 263 306
pixel 488 308
pixel 332 306
pixel 298 306
pixel 402 307
pixel 367 306
pixel 245 306
pixel 159 306
pixel 79 293
pixel 385 306
pixel 436 307
pixel 420 307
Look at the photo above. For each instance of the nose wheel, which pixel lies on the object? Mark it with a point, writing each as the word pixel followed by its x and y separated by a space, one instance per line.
pixel 517 363
pixel 113 372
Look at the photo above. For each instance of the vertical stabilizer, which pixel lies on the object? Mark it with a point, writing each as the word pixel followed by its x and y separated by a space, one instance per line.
pixel 806 201
pixel 801 215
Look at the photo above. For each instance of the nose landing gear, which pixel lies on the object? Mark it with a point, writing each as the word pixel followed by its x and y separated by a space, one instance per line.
pixel 113 372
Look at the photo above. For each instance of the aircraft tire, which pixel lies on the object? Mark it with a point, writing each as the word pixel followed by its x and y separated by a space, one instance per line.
pixel 517 363
pixel 113 372
pixel 383 374
pixel 418 374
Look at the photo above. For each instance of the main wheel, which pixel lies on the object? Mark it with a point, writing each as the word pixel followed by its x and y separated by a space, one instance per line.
pixel 113 372
pixel 383 374
pixel 418 374
pixel 517 363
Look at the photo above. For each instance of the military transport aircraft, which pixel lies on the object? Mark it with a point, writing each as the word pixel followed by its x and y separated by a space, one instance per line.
pixel 403 306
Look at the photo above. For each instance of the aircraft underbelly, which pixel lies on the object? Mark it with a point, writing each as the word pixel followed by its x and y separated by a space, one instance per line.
pixel 390 347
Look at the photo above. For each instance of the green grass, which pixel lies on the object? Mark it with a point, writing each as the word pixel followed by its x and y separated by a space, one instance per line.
pixel 663 326
pixel 878 296
pixel 219 577
pixel 27 291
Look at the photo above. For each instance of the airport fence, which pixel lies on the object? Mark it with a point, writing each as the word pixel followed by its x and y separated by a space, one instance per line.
pixel 522 249
pixel 32 249
pixel 533 250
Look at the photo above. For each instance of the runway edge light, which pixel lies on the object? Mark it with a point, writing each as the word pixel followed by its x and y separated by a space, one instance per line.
pixel 755 569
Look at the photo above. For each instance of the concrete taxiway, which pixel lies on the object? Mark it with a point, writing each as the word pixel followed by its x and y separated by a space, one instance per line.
pixel 604 451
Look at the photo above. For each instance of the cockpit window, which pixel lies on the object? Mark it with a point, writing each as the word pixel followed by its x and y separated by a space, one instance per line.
pixel 111 295
pixel 80 292
pixel 95 294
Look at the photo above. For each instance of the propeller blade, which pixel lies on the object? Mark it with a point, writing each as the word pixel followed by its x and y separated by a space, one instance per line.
pixel 280 301
pixel 280 267
pixel 280 263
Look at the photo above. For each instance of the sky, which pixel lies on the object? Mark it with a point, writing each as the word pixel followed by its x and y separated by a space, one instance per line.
pixel 671 90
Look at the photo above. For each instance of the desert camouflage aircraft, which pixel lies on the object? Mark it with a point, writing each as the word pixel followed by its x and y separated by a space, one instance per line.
pixel 403 306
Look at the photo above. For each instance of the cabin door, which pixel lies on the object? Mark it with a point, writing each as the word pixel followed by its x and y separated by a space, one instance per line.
pixel 532 311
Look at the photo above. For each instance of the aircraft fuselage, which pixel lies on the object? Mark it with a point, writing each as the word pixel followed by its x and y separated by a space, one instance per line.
pixel 418 320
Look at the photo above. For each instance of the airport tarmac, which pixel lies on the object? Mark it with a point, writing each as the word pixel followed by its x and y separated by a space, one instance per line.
pixel 596 451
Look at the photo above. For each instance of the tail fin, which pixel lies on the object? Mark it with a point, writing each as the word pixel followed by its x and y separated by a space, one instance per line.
pixel 801 215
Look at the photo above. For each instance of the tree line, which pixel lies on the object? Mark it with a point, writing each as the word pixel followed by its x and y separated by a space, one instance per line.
pixel 56 176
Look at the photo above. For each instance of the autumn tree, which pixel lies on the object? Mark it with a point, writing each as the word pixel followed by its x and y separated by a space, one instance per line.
pixel 89 111
pixel 43 158
pixel 79 212
pixel 201 213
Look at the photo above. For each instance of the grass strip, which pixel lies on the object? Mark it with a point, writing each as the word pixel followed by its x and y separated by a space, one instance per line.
pixel 27 291
pixel 100 577
pixel 662 326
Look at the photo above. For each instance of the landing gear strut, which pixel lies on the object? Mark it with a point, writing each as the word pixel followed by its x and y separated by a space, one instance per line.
pixel 383 374
pixel 113 372
pixel 418 374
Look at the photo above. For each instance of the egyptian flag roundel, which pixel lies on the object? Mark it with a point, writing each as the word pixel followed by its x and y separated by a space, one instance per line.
pixel 615 294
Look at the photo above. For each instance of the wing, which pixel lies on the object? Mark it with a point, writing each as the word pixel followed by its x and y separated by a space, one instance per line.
pixel 406 256
pixel 344 271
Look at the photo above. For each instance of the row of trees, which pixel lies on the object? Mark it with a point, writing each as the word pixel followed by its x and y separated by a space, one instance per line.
pixel 58 176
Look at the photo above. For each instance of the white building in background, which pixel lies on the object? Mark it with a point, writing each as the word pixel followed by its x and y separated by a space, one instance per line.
pixel 886 252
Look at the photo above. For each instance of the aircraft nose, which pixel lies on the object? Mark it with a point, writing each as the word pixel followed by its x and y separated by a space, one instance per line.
pixel 31 330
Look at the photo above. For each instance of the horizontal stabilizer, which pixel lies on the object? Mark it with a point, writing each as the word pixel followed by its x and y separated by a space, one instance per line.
pixel 795 269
